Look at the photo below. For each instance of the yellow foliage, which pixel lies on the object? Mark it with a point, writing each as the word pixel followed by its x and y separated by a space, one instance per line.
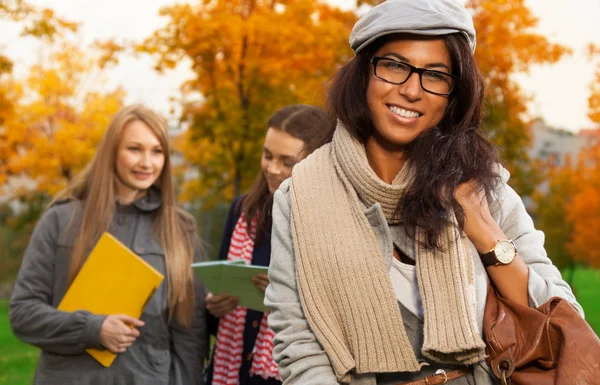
pixel 507 44
pixel 250 58
pixel 42 23
pixel 15 10
pixel 551 205
pixel 594 99
pixel 109 50
pixel 54 127
pixel 584 210
pixel 568 209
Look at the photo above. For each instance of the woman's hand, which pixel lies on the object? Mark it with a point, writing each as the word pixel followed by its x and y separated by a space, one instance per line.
pixel 480 226
pixel 261 281
pixel 510 280
pixel 220 304
pixel 118 332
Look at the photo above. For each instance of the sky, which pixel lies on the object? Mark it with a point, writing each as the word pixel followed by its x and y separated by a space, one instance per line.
pixel 559 92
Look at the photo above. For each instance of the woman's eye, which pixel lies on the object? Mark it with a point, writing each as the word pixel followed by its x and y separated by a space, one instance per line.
pixel 395 66
pixel 434 76
pixel 158 151
pixel 133 149
pixel 289 164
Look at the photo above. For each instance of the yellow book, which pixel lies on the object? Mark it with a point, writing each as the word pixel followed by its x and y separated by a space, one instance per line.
pixel 113 280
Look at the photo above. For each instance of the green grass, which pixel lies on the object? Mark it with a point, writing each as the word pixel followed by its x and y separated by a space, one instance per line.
pixel 586 284
pixel 17 360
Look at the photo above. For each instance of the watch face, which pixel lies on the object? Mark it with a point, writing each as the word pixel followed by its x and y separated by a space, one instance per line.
pixel 505 252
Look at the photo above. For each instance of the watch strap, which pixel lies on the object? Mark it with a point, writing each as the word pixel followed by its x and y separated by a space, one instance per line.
pixel 489 258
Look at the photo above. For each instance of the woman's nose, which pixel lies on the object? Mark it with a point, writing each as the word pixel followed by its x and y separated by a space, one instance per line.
pixel 273 168
pixel 411 88
pixel 146 159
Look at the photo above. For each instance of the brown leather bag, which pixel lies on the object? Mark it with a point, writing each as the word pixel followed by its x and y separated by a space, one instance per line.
pixel 550 345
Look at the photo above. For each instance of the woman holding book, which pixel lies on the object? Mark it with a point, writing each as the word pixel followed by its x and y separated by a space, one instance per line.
pixel 126 190
pixel 242 353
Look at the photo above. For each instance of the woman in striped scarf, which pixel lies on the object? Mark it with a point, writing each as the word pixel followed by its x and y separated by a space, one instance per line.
pixel 243 351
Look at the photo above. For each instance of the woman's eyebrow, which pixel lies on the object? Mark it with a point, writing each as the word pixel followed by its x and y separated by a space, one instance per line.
pixel 407 60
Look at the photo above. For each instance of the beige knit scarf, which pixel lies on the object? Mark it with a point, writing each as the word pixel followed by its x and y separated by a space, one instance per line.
pixel 344 287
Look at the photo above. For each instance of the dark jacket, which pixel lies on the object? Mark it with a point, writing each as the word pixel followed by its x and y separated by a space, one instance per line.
pixel 261 256
pixel 164 353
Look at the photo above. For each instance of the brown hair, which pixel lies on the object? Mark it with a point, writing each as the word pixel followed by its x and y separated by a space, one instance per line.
pixel 308 123
pixel 95 188
pixel 453 152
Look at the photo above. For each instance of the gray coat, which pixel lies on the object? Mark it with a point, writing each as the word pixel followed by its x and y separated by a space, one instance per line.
pixel 300 356
pixel 164 353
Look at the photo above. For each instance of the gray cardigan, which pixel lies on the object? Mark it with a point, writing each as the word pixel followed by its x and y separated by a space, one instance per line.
pixel 165 353
pixel 301 358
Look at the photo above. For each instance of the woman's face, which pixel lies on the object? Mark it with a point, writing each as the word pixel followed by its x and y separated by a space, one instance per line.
pixel 281 152
pixel 401 112
pixel 140 158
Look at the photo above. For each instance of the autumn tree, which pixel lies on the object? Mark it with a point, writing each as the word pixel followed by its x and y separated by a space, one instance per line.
pixel 552 199
pixel 249 57
pixel 10 92
pixel 57 120
pixel 507 44
pixel 577 213
pixel 584 208
pixel 41 23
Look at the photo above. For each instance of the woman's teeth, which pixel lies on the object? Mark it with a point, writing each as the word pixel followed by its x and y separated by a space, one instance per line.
pixel 404 113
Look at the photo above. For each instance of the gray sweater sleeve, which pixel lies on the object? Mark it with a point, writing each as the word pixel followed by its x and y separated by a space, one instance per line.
pixel 189 345
pixel 300 357
pixel 545 281
pixel 32 317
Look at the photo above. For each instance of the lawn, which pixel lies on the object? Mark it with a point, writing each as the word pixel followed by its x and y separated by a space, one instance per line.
pixel 17 360
pixel 587 290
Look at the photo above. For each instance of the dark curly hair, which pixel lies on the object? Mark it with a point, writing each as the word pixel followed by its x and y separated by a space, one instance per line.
pixel 453 152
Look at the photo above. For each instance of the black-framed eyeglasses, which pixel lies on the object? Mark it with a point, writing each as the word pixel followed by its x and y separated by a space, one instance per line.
pixel 398 72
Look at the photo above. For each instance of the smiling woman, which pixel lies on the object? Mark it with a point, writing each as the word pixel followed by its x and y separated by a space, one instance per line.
pixel 385 239
pixel 127 190
pixel 243 351
pixel 280 153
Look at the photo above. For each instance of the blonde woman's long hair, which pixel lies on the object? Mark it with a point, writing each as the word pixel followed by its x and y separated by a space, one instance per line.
pixel 95 187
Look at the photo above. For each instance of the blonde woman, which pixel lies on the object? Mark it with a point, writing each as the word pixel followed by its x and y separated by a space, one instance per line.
pixel 127 190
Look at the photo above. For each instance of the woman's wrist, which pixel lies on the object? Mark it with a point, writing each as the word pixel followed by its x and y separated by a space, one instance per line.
pixel 91 331
pixel 486 237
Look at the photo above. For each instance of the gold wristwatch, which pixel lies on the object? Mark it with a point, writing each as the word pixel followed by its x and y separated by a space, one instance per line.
pixel 503 253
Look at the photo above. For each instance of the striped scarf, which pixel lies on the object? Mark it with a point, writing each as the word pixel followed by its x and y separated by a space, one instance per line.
pixel 230 335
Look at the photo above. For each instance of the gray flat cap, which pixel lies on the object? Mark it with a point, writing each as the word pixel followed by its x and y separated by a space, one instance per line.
pixel 420 17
